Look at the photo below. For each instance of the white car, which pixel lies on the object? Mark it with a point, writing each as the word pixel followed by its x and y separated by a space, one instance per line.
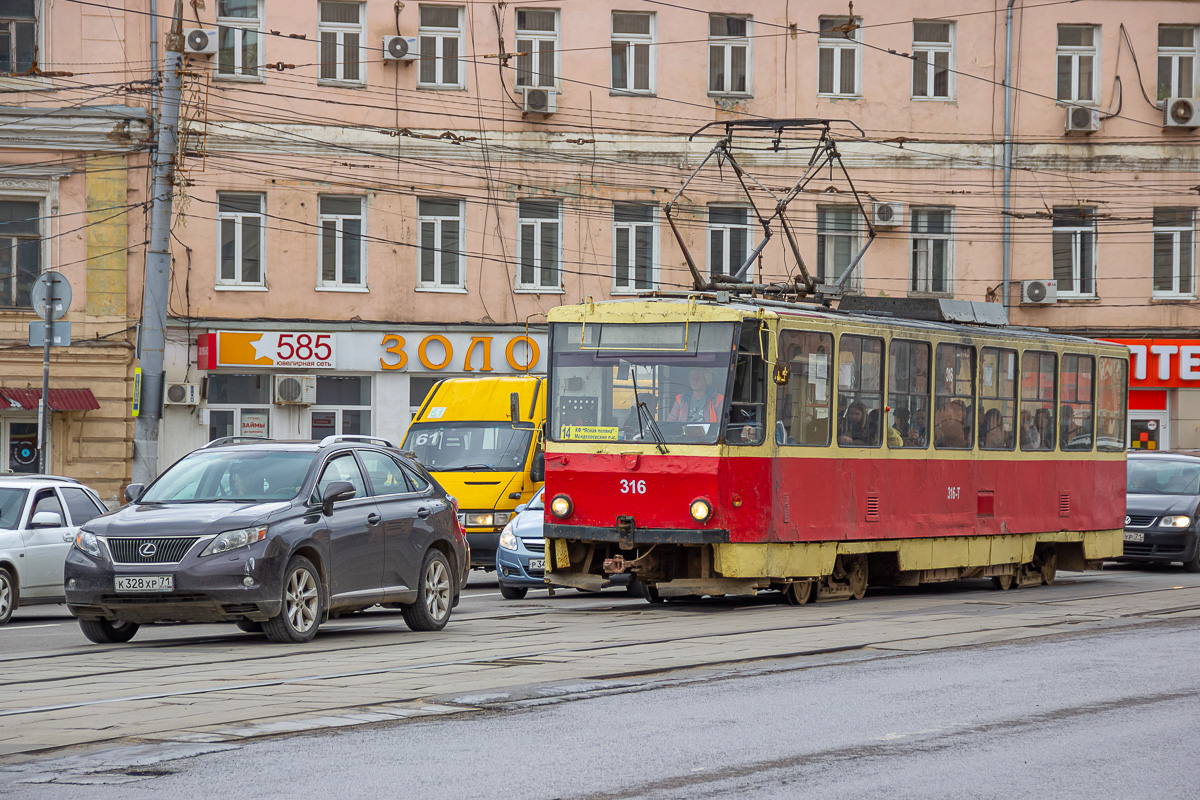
pixel 39 517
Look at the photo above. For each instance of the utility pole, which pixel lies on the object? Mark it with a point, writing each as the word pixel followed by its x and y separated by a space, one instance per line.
pixel 157 285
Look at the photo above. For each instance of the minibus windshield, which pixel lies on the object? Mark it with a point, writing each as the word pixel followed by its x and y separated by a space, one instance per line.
pixel 469 446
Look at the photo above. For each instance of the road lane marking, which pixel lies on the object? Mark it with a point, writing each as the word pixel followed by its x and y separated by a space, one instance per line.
pixel 19 627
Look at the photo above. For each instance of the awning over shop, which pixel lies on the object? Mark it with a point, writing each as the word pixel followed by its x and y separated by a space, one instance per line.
pixel 60 399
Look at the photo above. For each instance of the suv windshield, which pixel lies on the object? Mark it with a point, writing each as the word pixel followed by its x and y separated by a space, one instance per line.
pixel 239 476
pixel 11 503
pixel 468 446
pixel 1162 476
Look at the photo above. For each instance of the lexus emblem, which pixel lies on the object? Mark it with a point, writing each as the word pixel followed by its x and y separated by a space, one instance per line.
pixel 147 550
pixel 1127 520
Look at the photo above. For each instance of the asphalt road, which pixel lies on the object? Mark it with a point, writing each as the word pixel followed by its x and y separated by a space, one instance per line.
pixel 1103 714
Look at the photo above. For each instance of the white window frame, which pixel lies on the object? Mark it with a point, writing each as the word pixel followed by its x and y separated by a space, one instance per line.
pixel 826 269
pixel 237 410
pixel 920 276
pixel 726 239
pixel 837 44
pixel 631 41
pixel 247 27
pixel 1178 234
pixel 37 21
pixel 1076 234
pixel 1175 54
pixel 531 41
pixel 728 44
pixel 1075 52
pixel 339 220
pixel 928 49
pixel 43 238
pixel 631 229
pixel 239 268
pixel 536 223
pixel 337 410
pixel 438 285
pixel 440 35
pixel 339 30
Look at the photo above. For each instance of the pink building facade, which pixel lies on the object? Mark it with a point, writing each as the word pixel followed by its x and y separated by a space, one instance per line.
pixel 382 177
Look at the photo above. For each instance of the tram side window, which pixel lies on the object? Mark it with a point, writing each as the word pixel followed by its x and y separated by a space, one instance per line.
pixel 1110 404
pixel 997 399
pixel 803 402
pixel 1076 418
pixel 954 397
pixel 860 391
pixel 908 394
pixel 747 416
pixel 1038 382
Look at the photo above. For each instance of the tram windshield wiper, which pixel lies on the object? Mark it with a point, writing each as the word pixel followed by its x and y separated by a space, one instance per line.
pixel 659 440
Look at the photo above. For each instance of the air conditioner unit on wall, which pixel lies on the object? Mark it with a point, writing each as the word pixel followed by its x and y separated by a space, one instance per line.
pixel 182 394
pixel 401 48
pixel 295 390
pixel 1039 293
pixel 1082 120
pixel 1181 112
pixel 199 42
pixel 887 215
pixel 539 100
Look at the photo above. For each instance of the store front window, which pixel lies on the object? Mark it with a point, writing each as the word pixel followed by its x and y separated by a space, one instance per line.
pixel 239 405
pixel 343 407
pixel 20 453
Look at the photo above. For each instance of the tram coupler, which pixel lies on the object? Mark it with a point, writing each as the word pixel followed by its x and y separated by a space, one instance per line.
pixel 615 565
pixel 625 528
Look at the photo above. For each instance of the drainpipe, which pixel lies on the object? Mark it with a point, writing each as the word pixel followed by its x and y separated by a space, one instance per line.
pixel 1008 150
pixel 156 73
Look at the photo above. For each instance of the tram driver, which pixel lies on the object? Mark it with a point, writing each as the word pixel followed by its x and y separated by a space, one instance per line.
pixel 702 404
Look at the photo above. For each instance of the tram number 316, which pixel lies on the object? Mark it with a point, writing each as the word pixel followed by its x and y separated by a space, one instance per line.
pixel 633 487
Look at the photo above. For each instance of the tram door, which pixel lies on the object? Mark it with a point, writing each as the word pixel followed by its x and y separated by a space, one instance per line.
pixel 1148 430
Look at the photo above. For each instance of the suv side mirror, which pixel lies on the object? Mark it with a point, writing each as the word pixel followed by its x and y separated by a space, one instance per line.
pixel 334 493
pixel 134 492
pixel 521 507
pixel 537 470
pixel 46 519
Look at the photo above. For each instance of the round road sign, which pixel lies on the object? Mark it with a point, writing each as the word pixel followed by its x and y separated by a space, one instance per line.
pixel 51 290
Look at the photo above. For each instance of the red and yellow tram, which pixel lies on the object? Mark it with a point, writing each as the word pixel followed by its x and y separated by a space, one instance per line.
pixel 718 446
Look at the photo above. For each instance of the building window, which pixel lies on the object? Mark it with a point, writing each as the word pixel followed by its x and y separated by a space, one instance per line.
pixel 1077 59
pixel 441 37
pixel 441 243
pixel 1074 250
pixel 837 242
pixel 539 234
pixel 728 54
pixel 238 38
pixel 933 60
pixel 632 52
pixel 18 35
pixel 932 251
pixel 341 33
pixel 343 407
pixel 537 41
pixel 728 239
pixel 839 57
pixel 239 405
pixel 1176 61
pixel 634 246
pixel 20 250
pixel 418 389
pixel 343 248
pixel 240 220
pixel 1174 252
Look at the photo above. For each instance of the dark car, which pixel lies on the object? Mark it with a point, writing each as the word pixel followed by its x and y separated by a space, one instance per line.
pixel 273 536
pixel 1162 494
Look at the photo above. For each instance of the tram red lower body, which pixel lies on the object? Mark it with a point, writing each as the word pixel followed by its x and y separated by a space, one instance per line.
pixel 822 499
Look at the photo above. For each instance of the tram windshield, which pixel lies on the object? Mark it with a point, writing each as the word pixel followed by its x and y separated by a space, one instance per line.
pixel 640 382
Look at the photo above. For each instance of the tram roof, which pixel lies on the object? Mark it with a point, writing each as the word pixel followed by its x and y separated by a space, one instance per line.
pixel 663 307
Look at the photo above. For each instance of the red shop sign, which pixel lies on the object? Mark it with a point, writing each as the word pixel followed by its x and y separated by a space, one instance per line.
pixel 1162 363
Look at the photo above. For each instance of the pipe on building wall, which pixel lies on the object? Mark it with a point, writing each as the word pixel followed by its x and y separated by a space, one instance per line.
pixel 154 72
pixel 1008 151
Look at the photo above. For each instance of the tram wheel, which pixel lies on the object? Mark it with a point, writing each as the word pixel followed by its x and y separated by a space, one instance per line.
pixel 1049 567
pixel 1003 582
pixel 856 575
pixel 798 592
pixel 651 594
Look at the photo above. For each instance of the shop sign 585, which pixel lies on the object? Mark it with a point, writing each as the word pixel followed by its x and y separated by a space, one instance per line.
pixel 294 349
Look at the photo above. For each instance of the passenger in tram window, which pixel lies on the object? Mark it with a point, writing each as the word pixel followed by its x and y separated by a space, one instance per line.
pixel 894 437
pixel 951 424
pixel 1030 439
pixel 1043 421
pixel 852 428
pixel 702 404
pixel 873 419
pixel 991 432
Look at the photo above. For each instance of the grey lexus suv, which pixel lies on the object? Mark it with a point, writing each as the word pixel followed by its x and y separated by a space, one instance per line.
pixel 274 536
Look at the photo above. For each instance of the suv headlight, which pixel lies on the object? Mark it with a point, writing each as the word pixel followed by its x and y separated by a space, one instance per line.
pixel 232 540
pixel 1175 522
pixel 508 540
pixel 88 543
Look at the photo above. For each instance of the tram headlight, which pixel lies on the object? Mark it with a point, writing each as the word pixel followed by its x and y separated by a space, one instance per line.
pixel 1175 522
pixel 507 540
pixel 700 510
pixel 561 506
